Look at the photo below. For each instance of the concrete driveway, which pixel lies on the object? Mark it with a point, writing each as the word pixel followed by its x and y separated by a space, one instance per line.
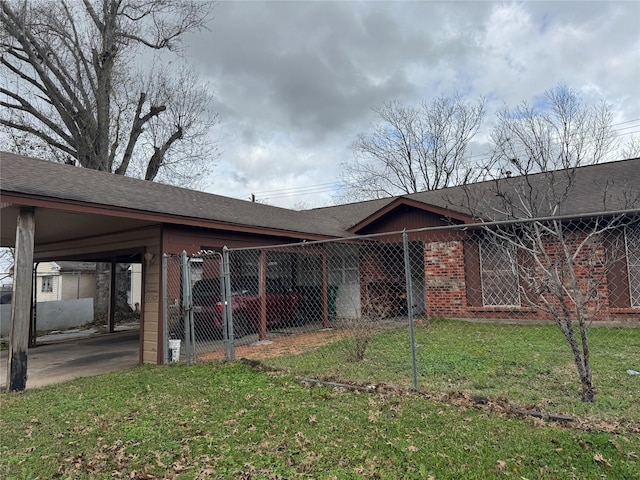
pixel 68 358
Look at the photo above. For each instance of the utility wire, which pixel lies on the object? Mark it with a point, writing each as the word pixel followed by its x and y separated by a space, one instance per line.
pixel 331 186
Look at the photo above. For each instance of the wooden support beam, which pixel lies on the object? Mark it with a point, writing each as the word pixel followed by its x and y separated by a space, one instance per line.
pixel 21 305
pixel 262 293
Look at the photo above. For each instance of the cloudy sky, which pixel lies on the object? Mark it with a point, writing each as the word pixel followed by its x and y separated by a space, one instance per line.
pixel 295 82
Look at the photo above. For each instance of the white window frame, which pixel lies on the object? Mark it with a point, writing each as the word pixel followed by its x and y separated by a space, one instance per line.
pixel 500 245
pixel 345 270
pixel 47 281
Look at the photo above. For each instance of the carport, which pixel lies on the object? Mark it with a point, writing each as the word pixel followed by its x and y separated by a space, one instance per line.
pixel 64 357
pixel 51 211
pixel 44 216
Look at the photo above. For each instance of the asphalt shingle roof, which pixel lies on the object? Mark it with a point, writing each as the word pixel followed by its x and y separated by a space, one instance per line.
pixel 596 188
pixel 58 181
pixel 68 266
pixel 604 187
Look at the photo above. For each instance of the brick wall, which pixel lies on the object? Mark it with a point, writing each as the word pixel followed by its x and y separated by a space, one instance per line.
pixel 446 284
pixel 445 279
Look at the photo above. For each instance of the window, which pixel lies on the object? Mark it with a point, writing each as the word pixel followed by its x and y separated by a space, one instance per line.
pixel 47 284
pixel 343 270
pixel 498 273
pixel 632 244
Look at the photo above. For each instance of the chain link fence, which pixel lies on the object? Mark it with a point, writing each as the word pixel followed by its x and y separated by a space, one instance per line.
pixel 475 308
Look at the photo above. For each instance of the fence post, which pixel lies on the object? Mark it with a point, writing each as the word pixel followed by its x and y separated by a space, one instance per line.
pixel 223 299
pixel 33 325
pixel 409 289
pixel 165 312
pixel 186 309
pixel 229 352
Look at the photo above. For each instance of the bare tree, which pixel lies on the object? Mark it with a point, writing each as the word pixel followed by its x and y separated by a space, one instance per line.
pixel 631 149
pixel 77 86
pixel 561 132
pixel 414 149
pixel 561 263
pixel 82 82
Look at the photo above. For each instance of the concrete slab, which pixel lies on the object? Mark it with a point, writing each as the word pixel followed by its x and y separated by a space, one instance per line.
pixel 66 357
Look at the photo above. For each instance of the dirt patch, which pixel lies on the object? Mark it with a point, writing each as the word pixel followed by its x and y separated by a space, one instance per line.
pixel 285 345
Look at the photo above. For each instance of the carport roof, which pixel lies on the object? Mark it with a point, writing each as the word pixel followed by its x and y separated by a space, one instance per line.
pixel 33 178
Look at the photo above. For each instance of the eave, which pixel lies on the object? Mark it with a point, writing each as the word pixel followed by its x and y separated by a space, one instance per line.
pixel 75 206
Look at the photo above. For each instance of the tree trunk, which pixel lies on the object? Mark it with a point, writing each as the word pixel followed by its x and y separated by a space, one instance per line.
pixel 588 395
pixel 101 297
pixel 123 309
pixel 582 364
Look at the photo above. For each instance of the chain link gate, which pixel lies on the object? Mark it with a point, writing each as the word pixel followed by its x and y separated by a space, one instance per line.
pixel 197 315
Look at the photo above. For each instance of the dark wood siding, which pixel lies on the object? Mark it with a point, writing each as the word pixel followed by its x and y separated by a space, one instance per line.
pixel 618 273
pixel 404 217
pixel 192 240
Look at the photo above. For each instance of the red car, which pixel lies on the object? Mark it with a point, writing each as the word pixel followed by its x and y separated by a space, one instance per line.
pixel 283 306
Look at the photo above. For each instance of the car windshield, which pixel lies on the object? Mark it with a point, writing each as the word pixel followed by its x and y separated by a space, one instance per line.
pixel 206 290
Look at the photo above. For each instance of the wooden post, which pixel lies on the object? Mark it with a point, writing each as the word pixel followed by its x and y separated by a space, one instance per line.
pixel 262 293
pixel 21 305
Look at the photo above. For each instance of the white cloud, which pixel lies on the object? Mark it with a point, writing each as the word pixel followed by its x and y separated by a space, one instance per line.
pixel 296 81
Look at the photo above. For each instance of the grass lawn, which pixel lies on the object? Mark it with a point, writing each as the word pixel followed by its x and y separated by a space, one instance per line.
pixel 530 366
pixel 228 421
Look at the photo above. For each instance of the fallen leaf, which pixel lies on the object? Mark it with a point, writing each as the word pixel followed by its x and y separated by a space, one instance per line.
pixel 613 442
pixel 600 459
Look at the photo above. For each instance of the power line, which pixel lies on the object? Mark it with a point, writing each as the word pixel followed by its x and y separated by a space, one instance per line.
pixel 292 189
pixel 330 186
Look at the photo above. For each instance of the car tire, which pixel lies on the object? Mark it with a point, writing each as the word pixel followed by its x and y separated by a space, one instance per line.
pixel 241 325
pixel 300 317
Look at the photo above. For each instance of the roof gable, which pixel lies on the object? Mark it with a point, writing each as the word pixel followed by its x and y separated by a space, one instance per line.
pixel 393 208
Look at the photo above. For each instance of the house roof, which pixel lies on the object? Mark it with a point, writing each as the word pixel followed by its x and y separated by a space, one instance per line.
pixel 595 189
pixel 605 187
pixel 68 266
pixel 590 189
pixel 28 176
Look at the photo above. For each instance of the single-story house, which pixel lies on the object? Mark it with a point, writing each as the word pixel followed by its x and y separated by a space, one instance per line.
pixel 466 275
pixel 87 215
pixel 64 280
